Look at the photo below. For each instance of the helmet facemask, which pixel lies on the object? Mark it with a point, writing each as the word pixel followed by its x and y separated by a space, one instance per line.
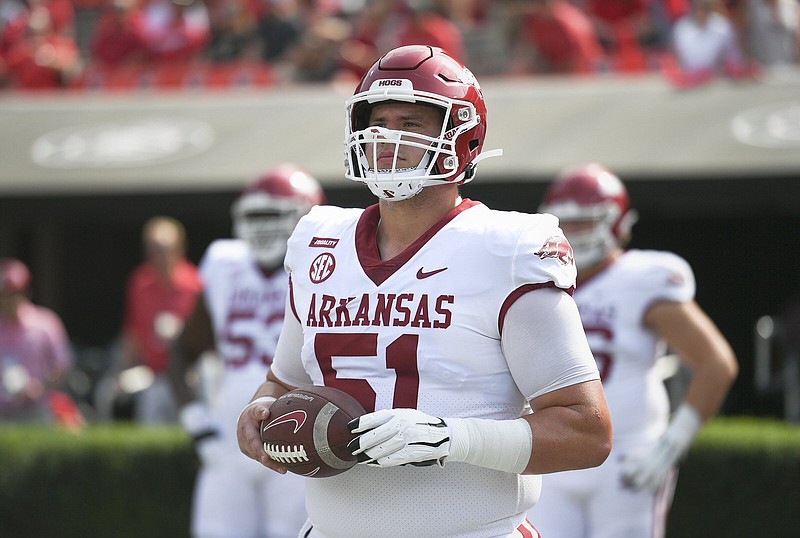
pixel 440 163
pixel 265 224
pixel 604 231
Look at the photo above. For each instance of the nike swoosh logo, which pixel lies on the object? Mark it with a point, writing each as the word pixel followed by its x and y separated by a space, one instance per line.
pixel 298 417
pixel 425 274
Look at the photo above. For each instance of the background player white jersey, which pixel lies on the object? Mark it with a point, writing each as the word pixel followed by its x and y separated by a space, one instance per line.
pixel 612 305
pixel 635 306
pixel 421 332
pixel 240 316
pixel 245 305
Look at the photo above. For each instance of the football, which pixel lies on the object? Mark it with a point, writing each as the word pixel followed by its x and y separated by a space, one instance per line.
pixel 307 432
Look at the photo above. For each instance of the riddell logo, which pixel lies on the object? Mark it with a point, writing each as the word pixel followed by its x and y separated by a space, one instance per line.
pixel 390 82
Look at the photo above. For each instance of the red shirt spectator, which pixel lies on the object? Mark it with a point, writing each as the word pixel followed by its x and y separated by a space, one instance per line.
pixel 174 31
pixel 154 307
pixel 625 29
pixel 116 40
pixel 42 58
pixel 563 36
pixel 160 294
pixel 427 27
pixel 61 12
pixel 615 11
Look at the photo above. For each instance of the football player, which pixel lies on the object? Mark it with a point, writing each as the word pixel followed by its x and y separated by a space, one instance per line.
pixel 448 321
pixel 636 305
pixel 240 316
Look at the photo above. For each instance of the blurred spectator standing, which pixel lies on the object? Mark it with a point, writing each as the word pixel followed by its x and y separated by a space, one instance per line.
pixel 316 57
pixel 35 354
pixel 771 31
pixel 279 29
pixel 38 55
pixel 625 30
pixel 234 26
pixel 160 295
pixel 705 44
pixel 552 37
pixel 360 50
pixel 428 23
pixel 116 42
pixel 174 30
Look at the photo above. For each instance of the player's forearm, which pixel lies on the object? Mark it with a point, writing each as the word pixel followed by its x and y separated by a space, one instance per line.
pixel 711 381
pixel 272 387
pixel 567 438
pixel 571 429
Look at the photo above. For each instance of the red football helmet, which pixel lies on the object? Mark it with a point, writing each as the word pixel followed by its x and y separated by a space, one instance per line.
pixel 428 76
pixel 267 211
pixel 591 193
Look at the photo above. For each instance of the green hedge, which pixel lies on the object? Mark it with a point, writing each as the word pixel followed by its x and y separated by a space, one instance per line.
pixel 104 482
pixel 741 478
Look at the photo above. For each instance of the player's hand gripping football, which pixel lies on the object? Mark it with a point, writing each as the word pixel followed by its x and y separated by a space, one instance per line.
pixel 248 432
pixel 392 437
pixel 648 468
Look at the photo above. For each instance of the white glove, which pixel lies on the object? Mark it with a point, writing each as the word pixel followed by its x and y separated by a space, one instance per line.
pixel 195 418
pixel 648 468
pixel 392 437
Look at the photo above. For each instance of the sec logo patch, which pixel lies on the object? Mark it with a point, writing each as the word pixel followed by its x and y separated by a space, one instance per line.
pixel 322 267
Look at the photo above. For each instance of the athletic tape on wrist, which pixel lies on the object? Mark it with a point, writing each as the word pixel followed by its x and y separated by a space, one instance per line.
pixel 502 445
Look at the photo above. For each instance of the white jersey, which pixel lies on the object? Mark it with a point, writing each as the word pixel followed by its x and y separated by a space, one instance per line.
pixel 234 495
pixel 246 306
pixel 422 330
pixel 612 305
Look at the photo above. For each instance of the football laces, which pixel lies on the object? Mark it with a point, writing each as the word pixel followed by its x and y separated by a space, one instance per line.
pixel 286 453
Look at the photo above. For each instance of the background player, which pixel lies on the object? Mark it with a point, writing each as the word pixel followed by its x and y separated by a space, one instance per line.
pixel 635 306
pixel 240 315
pixel 447 321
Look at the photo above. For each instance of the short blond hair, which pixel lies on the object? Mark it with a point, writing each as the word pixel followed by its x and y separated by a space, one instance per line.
pixel 165 231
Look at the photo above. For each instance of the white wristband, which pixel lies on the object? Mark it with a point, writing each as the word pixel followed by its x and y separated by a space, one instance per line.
pixel 502 445
pixel 268 400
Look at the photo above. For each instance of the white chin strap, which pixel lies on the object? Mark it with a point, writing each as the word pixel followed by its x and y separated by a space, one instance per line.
pixel 403 183
pixel 397 184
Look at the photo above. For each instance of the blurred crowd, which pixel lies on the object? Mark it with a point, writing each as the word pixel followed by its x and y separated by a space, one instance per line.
pixel 117 44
